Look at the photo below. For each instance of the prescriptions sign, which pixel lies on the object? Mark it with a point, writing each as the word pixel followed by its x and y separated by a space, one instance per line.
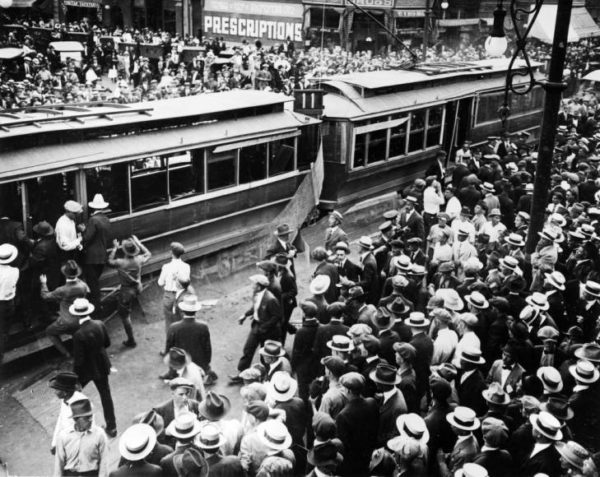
pixel 253 20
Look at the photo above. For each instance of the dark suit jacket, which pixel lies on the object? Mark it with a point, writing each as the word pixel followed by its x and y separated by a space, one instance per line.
pixel 463 452
pixel 557 310
pixel 276 248
pixel 357 426
pixel 289 290
pixel 331 270
pixel 498 462
pixel 304 362
pixel 192 336
pixel 521 443
pixel 586 420
pixel 424 346
pixel 350 270
pixel 269 316
pixel 388 413
pixel 137 469
pixel 369 279
pixel 440 432
pixel 167 411
pixel 224 466
pixel 544 462
pixel 89 351
pixel 333 237
pixel 295 419
pixel 44 259
pixel 324 334
pixel 387 338
pixel 469 392
pixel 413 227
pixel 96 239
pixel 167 465
pixel 435 169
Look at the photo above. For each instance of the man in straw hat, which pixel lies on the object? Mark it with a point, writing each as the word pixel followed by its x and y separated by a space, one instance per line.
pixel 334 233
pixel 369 277
pixel 270 438
pixel 184 428
pixel 81 449
pixel 65 295
pixel 135 446
pixel 9 276
pixel 90 359
pixel 67 236
pixel 214 409
pixel 265 315
pixel 544 258
pixel 129 270
pixel 471 383
pixel 544 458
pixel 96 235
pixel 463 423
pixel 585 403
pixel 65 385
pixel 211 440
pixel 423 345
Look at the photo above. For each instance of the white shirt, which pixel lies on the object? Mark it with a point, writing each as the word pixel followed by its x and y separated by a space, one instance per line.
pixel 494 231
pixel 465 375
pixel 66 234
pixel 504 375
pixel 432 201
pixel 171 272
pixel 537 448
pixel 257 299
pixel 65 421
pixel 468 340
pixel 453 207
pixel 8 282
pixel 462 156
pixel 468 226
pixel 388 394
pixel 444 346
pixel 462 251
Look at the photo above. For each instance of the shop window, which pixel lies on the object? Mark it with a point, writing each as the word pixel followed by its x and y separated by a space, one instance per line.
pixel 360 150
pixel 11 201
pixel 221 170
pixel 417 131
pixel 110 181
pixel 434 126
pixel 281 156
pixel 47 195
pixel 377 146
pixel 148 183
pixel 398 141
pixel 324 18
pixel 186 173
pixel 253 163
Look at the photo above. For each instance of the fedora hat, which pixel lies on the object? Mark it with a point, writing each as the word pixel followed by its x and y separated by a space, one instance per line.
pixel 81 307
pixel 281 260
pixel 496 395
pixel 558 220
pixel 260 279
pixel 43 229
pixel 538 300
pixel 592 288
pixel 547 425
pixel 589 352
pixel 342 246
pixel 463 418
pixel 412 425
pixel 398 307
pixel 574 453
pixel 325 454
pixel 417 270
pixel 184 426
pixel 366 242
pixel 319 284
pixel 382 319
pixel 558 407
pixel 282 387
pixel 548 333
pixel 8 252
pixel 556 279
pixel 494 213
pixel 81 408
pixel 340 343
pixel 283 229
pixel 355 292
pixel 548 234
pixel 452 300
pixel 584 372
pixel 337 215
pixel 210 437
pixel 64 381
pixel 551 379
pixel 190 304
pixel 73 207
pixel 272 348
pixel 214 406
pixel 153 419
pixel 137 442
pixel 477 300
pixel 385 374
pixel 515 239
pixel 98 202
pixel 268 266
pixel 176 358
pixel 472 355
pixel 71 269
pixel 417 320
pixel 274 434
pixel 130 248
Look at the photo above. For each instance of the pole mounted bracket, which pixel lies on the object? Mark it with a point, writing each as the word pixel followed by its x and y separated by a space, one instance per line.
pixel 553 86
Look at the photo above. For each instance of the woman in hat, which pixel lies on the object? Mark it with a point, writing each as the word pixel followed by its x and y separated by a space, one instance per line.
pixel 129 269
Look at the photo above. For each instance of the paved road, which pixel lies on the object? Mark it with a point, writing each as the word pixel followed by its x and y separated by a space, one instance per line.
pixel 28 408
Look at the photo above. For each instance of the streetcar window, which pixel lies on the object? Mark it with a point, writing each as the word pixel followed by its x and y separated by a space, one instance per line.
pixel 186 173
pixel 377 146
pixel 398 141
pixel 487 108
pixel 47 194
pixel 360 150
pixel 253 163
pixel 221 169
pixel 10 201
pixel 148 183
pixel 110 181
pixel 434 126
pixel 417 131
pixel 281 156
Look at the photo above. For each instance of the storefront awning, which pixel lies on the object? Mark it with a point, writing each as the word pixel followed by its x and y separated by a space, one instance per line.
pixel 458 22
pixel 582 24
pixel 22 3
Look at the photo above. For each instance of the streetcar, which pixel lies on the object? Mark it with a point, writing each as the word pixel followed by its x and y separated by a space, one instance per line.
pixel 382 129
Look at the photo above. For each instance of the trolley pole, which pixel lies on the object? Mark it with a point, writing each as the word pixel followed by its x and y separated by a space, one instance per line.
pixel 553 88
pixel 426 29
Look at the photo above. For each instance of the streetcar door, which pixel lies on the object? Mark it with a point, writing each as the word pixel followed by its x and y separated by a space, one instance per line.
pixel 458 125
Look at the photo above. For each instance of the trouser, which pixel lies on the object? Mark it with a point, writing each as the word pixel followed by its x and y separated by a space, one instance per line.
pixel 168 302
pixel 103 387
pixel 428 221
pixel 254 340
pixel 7 311
pixel 91 273
pixel 74 473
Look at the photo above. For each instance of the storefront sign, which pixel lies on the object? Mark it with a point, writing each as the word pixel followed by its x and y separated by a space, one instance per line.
pixel 360 3
pixel 81 4
pixel 409 13
pixel 253 20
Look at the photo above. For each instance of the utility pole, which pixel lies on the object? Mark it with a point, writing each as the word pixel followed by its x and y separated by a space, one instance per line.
pixel 553 88
pixel 426 31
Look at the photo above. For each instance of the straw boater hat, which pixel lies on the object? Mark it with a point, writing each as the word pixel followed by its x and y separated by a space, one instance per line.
pixel 573 453
pixel 495 395
pixel 340 343
pixel 590 352
pixel 471 469
pixel 584 372
pixel 366 242
pixel 337 216
pixel 548 234
pixel 516 240
pixel 81 307
pixel 547 425
pixel 592 288
pixel 556 279
pixel 538 300
pixel 282 387
pixel 184 426
pixel 551 379
pixel 73 207
pixel 417 320
pixel 488 187
pixel 190 304
pixel 137 442
pixel 320 284
pixel 8 252
pixel 472 355
pixel 272 348
pixel 463 418
pixel 477 300
pixel 98 203
pixel 509 262
pixel 412 425
pixel 342 246
pixel 274 434
pixel 210 437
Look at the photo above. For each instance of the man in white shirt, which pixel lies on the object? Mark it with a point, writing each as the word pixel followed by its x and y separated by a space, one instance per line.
pixel 8 287
pixel 170 273
pixel 433 199
pixel 68 238
pixel 65 386
pixel 463 221
pixel 464 154
pixel 493 227
pixel 453 205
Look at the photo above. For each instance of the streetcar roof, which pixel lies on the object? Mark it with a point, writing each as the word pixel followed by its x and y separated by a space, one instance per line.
pixel 32 162
pixel 71 117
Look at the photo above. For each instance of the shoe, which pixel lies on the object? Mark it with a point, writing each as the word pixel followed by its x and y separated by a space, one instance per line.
pixel 112 432
pixel 211 379
pixel 235 379
pixel 130 343
pixel 162 353
pixel 168 375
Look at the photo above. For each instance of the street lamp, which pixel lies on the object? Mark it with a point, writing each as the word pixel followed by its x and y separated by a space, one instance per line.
pixel 444 6
pixel 496 44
